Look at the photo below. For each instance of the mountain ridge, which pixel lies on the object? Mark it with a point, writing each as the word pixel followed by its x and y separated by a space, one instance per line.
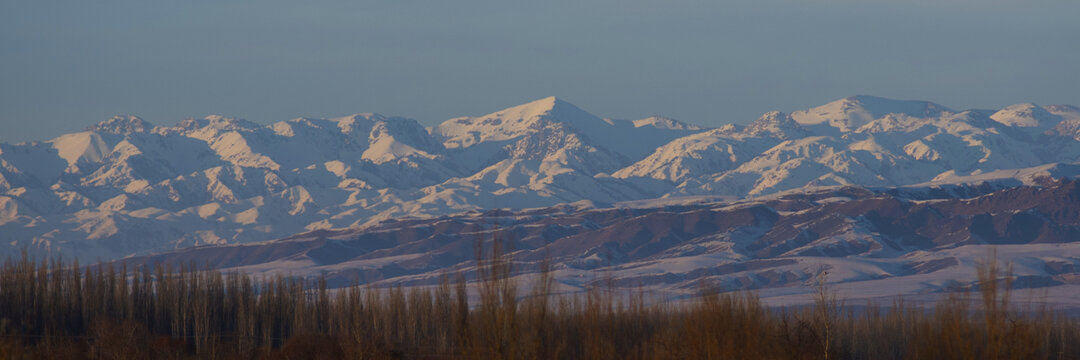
pixel 127 187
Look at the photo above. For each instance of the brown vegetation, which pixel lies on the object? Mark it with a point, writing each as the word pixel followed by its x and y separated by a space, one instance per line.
pixel 55 310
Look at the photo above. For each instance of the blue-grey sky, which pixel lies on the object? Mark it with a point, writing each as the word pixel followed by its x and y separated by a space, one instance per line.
pixel 68 64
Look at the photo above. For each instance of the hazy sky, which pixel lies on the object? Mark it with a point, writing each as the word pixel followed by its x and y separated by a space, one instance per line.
pixel 67 64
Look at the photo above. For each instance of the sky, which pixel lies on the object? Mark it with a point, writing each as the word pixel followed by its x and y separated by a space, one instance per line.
pixel 65 65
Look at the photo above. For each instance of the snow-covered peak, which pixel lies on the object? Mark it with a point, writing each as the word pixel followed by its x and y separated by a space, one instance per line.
pixel 1064 111
pixel 775 124
pixel 217 122
pixel 1026 115
pixel 301 142
pixel 87 146
pixel 355 124
pixel 350 123
pixel 122 124
pixel 1070 124
pixel 704 152
pixel 853 112
pixel 661 122
pixel 547 106
pixel 726 129
pixel 394 138
pixel 627 140
pixel 515 121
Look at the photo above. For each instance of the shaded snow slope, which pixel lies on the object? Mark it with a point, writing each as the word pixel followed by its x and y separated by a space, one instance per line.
pixel 874 245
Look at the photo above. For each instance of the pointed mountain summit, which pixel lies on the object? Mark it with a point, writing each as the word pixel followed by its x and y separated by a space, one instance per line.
pixel 122 125
pixel 852 112
pixel 514 122
pixel 549 106
pixel 551 116
pixel 775 124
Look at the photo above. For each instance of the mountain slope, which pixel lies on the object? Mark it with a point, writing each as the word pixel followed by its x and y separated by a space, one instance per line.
pixel 910 241
pixel 858 141
pixel 127 187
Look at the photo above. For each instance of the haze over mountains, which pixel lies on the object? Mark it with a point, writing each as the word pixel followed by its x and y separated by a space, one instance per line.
pixel 127 187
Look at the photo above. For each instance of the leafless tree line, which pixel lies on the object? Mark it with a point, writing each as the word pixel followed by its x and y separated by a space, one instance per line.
pixel 50 309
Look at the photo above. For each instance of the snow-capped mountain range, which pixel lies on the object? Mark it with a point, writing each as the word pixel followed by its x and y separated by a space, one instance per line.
pixel 127 187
